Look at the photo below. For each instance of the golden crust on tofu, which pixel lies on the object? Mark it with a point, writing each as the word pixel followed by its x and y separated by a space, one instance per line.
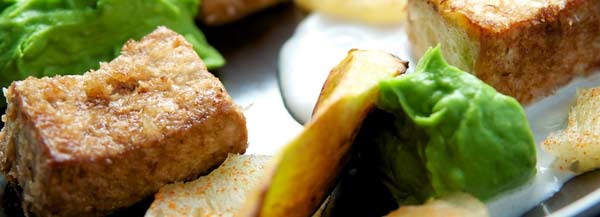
pixel 498 15
pixel 525 49
pixel 85 145
pixel 578 146
pixel 220 193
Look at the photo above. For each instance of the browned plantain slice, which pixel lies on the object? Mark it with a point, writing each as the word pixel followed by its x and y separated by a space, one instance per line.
pixel 300 177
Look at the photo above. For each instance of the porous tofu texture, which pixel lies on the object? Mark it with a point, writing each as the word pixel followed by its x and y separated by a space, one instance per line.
pixel 89 144
pixel 578 146
pixel 498 15
pixel 524 48
pixel 220 193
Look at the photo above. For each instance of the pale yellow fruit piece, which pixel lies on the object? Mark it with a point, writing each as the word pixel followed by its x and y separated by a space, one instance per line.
pixel 369 11
pixel 303 173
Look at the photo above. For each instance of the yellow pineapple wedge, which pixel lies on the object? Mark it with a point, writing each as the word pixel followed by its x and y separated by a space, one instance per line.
pixel 301 176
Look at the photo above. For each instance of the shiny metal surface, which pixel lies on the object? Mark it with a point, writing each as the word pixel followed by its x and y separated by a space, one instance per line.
pixel 578 190
pixel 251 48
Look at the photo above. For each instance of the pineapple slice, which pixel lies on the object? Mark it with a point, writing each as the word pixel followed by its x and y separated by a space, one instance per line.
pixel 300 177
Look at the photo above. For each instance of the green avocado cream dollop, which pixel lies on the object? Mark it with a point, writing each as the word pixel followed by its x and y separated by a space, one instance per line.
pixel 440 130
pixel 50 37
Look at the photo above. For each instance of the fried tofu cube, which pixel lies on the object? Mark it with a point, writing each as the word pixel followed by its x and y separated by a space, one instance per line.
pixel 85 145
pixel 523 48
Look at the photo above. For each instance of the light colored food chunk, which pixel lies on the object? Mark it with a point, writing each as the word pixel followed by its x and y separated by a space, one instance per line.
pixel 382 12
pixel 221 193
pixel 578 146
pixel 453 205
pixel 523 48
pixel 85 145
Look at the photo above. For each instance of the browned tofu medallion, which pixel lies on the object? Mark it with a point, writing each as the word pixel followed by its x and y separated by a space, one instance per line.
pixel 524 48
pixel 87 145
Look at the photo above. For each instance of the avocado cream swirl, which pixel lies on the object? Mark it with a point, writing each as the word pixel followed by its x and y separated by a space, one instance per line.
pixel 440 130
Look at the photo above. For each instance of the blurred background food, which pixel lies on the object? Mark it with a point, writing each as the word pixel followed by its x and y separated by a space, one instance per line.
pixel 251 44
pixel 219 12
pixel 382 12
